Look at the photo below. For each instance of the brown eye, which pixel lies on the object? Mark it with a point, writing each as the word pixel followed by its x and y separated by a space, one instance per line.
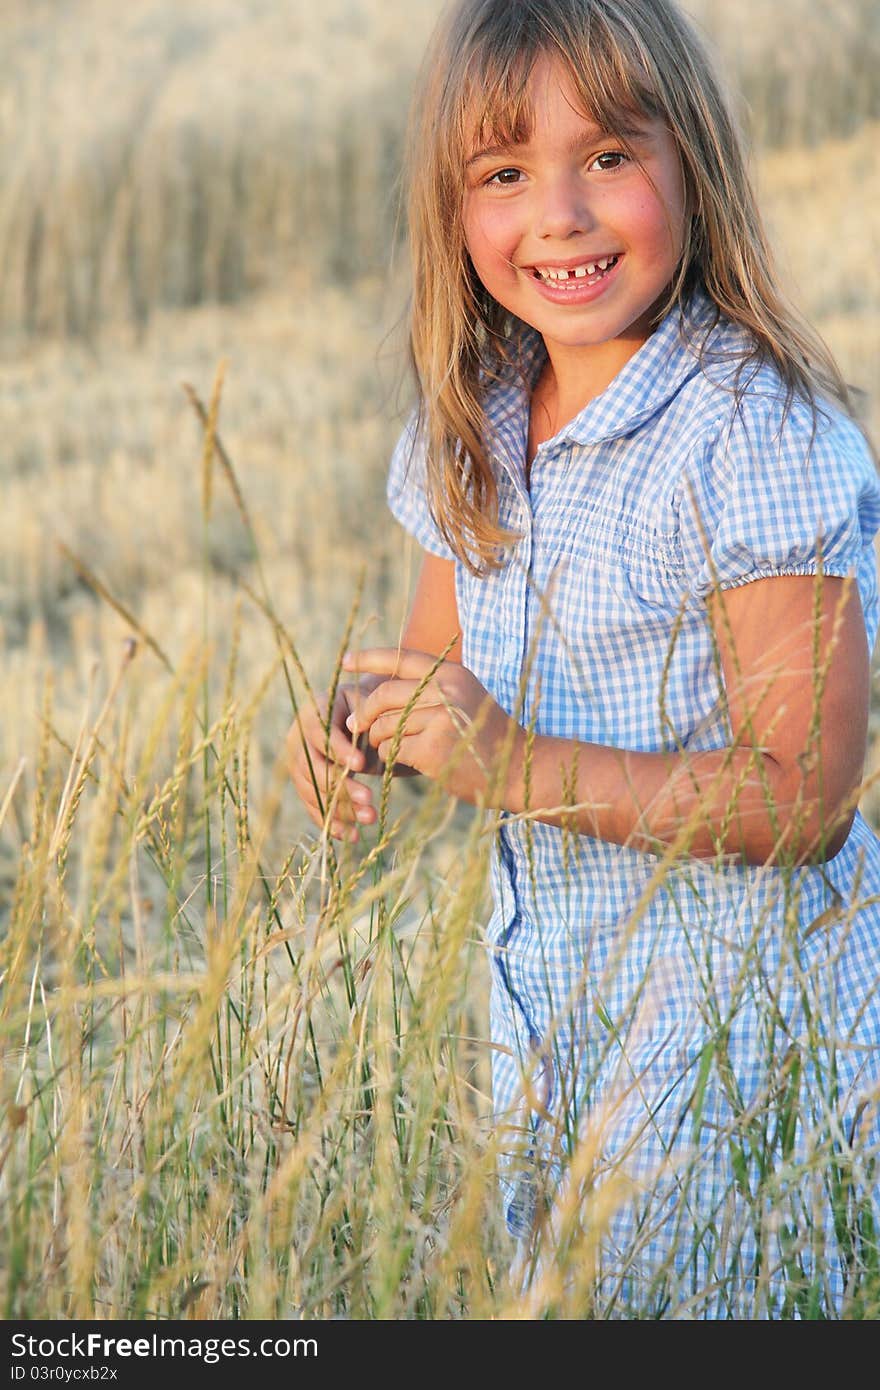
pixel 504 177
pixel 609 160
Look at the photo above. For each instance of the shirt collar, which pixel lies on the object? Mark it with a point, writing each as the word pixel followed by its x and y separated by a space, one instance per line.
pixel 646 383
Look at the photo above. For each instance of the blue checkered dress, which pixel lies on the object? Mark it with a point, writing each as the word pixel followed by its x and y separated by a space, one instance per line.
pixel 668 1025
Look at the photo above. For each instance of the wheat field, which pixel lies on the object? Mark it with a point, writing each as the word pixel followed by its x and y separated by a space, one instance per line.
pixel 246 1074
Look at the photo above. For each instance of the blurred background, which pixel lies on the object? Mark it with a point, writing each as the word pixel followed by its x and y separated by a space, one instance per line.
pixel 185 183
pixel 242 1076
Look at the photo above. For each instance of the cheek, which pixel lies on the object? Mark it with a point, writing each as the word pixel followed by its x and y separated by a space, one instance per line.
pixel 669 213
pixel 489 238
pixel 657 225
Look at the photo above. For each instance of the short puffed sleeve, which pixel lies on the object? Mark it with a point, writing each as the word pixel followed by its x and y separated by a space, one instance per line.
pixel 407 497
pixel 769 491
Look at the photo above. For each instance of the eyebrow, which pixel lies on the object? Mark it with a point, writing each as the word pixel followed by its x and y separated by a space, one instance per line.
pixel 640 131
pixel 491 152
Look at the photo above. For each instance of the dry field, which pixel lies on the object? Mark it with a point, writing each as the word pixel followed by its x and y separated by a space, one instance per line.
pixel 242 1077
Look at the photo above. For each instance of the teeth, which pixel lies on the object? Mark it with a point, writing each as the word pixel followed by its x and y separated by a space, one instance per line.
pixel 580 272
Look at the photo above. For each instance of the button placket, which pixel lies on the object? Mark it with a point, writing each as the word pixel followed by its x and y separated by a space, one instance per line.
pixel 511 647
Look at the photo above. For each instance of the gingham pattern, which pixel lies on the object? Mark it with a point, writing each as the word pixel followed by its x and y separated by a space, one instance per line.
pixel 659 488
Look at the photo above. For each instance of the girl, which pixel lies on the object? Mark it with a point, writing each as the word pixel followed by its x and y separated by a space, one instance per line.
pixel 641 632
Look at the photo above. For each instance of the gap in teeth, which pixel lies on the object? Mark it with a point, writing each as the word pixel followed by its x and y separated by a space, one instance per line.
pixel 582 272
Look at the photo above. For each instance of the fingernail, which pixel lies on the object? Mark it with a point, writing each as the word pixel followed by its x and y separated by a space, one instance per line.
pixel 348 659
pixel 364 815
pixel 350 723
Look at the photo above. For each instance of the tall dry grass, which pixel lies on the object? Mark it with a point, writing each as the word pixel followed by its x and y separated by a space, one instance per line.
pixel 213 1046
pixel 246 1074
pixel 242 1075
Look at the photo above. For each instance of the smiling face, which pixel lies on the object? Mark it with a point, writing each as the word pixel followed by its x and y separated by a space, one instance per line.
pixel 568 232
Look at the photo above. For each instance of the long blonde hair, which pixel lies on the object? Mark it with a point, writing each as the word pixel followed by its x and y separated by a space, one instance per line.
pixel 626 60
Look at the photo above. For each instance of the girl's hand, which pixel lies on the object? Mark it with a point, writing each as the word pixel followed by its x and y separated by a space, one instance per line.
pixel 455 731
pixel 348 801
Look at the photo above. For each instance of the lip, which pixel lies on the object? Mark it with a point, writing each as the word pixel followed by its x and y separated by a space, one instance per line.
pixel 581 292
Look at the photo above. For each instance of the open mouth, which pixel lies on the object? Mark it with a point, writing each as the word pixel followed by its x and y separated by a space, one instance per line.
pixel 589 273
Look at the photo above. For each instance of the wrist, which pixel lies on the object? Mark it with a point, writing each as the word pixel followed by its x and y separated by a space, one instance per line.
pixel 512 780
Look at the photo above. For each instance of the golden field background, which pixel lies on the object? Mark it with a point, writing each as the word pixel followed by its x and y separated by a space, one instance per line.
pixel 181 185
pixel 219 180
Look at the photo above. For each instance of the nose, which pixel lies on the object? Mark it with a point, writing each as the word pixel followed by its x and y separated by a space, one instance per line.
pixel 563 208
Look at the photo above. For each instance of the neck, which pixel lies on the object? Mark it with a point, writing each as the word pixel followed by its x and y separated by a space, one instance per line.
pixel 574 376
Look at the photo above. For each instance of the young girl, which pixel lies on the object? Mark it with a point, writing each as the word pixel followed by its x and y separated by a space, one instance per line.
pixel 647 520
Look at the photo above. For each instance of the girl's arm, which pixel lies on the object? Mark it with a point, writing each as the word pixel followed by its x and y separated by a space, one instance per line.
pixel 785 787
pixel 795 664
pixel 433 616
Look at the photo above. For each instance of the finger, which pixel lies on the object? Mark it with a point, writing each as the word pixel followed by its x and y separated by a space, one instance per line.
pixel 358 792
pixel 305 744
pixel 329 769
pixel 339 831
pixel 406 753
pixel 349 800
pixel 348 810
pixel 341 817
pixel 391 661
pixel 390 696
pixel 385 728
pixel 343 799
pixel 315 808
pixel 328 792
